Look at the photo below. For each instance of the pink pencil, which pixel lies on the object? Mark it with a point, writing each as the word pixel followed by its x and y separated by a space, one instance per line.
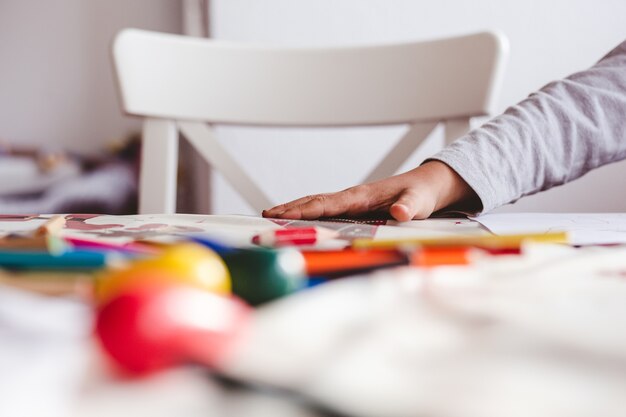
pixel 131 247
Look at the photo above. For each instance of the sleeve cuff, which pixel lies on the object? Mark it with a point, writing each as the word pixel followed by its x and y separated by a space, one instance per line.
pixel 474 177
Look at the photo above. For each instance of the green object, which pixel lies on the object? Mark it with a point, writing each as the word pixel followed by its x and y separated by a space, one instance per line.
pixel 260 275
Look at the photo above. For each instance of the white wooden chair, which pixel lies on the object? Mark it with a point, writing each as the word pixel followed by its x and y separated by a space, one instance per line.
pixel 187 84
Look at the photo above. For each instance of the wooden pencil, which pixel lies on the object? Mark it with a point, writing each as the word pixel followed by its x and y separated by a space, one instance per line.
pixel 51 227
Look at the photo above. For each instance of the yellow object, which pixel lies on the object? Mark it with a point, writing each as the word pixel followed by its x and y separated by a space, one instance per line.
pixel 55 283
pixel 486 241
pixel 188 264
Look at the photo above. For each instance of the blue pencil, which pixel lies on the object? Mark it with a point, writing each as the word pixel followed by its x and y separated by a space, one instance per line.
pixel 79 259
pixel 216 246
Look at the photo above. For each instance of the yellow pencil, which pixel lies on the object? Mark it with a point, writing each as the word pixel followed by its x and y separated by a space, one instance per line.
pixel 486 241
pixel 50 282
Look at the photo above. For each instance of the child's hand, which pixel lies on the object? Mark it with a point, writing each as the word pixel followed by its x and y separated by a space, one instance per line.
pixel 413 195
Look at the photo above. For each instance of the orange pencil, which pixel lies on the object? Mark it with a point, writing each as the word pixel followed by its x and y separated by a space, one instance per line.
pixel 350 261
pixel 430 257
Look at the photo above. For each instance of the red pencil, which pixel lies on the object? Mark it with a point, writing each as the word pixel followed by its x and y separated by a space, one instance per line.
pixel 294 236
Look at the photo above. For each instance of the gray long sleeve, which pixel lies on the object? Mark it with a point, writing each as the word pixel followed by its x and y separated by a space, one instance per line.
pixel 556 135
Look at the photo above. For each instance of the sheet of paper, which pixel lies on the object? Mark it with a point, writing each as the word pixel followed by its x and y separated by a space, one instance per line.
pixel 583 228
pixel 21 223
pixel 429 228
pixel 234 230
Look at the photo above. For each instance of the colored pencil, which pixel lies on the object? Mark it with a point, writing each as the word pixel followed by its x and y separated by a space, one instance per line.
pixel 78 283
pixel 350 261
pixel 299 236
pixel 44 260
pixel 128 248
pixel 483 241
pixel 51 227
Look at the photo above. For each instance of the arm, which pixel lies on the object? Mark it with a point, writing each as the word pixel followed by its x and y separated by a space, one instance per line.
pixel 556 135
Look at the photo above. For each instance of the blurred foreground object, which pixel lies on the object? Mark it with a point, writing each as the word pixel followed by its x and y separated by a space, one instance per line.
pixel 154 326
pixel 538 334
pixel 183 264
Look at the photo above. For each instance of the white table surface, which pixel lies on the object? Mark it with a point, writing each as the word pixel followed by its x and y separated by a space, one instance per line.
pixel 538 334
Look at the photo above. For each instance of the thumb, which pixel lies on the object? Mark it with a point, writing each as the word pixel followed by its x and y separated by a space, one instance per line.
pixel 410 205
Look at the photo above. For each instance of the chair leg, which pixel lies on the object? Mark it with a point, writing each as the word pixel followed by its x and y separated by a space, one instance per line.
pixel 403 149
pixel 159 160
pixel 204 141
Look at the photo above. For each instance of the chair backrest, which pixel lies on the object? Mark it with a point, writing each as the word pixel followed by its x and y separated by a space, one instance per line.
pixel 163 75
pixel 172 77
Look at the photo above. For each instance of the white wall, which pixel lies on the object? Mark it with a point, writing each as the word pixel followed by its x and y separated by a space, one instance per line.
pixel 56 81
pixel 549 39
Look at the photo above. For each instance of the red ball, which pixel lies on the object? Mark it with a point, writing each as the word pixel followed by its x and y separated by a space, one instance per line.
pixel 154 326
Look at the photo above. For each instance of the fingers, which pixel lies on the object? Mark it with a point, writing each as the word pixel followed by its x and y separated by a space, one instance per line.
pixel 401 212
pixel 312 205
pixel 312 208
pixel 412 204
pixel 404 209
pixel 320 205
pixel 278 210
pixel 405 197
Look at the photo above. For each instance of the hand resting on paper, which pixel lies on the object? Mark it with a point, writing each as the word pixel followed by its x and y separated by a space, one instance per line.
pixel 416 194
